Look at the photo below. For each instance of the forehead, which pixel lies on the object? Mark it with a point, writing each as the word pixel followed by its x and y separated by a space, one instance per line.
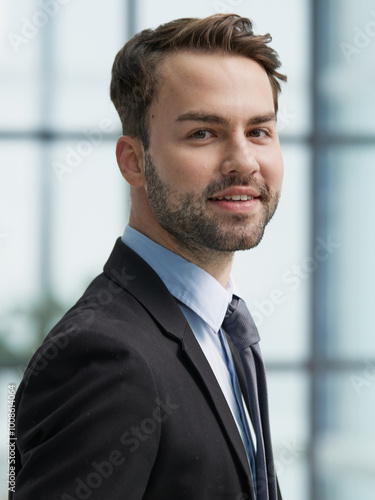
pixel 231 82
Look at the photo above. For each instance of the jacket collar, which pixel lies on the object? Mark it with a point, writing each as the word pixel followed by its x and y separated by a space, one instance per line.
pixel 128 270
pixel 188 283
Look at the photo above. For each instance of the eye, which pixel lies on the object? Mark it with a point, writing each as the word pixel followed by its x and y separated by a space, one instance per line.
pixel 202 134
pixel 257 133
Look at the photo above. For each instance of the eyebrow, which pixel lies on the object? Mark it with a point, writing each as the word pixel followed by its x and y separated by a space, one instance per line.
pixel 220 120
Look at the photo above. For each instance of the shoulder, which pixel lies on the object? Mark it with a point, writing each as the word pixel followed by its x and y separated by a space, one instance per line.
pixel 106 324
pixel 93 356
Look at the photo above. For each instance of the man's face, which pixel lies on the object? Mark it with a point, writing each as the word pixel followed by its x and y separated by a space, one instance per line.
pixel 214 167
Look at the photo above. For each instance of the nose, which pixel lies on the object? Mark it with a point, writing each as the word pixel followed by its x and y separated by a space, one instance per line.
pixel 240 158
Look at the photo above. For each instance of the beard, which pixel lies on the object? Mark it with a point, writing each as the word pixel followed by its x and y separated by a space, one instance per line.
pixel 189 219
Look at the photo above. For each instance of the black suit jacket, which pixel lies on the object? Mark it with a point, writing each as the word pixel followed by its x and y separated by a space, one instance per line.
pixel 120 403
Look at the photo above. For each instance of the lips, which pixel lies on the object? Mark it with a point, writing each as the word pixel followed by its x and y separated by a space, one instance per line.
pixel 237 200
pixel 234 197
pixel 236 193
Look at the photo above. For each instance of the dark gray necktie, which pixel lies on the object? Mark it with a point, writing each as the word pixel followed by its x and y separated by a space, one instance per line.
pixel 241 328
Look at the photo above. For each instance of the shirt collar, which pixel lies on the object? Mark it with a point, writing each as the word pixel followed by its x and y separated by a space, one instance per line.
pixel 187 282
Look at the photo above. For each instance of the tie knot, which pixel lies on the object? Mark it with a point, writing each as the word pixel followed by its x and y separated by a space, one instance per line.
pixel 239 324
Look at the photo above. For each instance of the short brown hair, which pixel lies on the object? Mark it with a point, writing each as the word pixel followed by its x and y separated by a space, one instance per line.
pixel 135 70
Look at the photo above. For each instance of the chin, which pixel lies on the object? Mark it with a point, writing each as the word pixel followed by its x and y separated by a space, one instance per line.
pixel 235 243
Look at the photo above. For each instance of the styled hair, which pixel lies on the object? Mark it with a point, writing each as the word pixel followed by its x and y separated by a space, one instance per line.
pixel 136 68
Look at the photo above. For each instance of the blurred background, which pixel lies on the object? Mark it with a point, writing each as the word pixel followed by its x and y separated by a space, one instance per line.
pixel 310 282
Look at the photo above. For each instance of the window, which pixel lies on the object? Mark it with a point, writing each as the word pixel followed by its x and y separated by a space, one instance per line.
pixel 309 284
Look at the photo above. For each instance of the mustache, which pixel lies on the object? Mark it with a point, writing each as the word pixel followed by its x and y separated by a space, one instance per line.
pixel 216 187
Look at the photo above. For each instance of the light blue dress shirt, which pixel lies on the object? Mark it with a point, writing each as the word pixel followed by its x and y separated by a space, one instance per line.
pixel 204 302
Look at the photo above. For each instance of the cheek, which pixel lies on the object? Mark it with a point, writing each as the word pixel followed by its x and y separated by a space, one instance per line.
pixel 273 171
pixel 279 174
pixel 184 170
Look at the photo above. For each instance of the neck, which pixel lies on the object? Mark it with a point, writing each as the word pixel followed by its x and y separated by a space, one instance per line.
pixel 217 264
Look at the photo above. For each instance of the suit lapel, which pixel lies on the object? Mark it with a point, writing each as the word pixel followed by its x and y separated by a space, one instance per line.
pixel 128 270
pixel 193 351
pixel 131 272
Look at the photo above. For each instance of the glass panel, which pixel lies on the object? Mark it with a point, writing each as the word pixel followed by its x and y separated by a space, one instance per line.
pixel 91 209
pixel 288 396
pixel 83 59
pixel 19 245
pixel 290 38
pixel 347 81
pixel 88 200
pixel 350 209
pixel 292 43
pixel 20 63
pixel 346 456
pixel 275 278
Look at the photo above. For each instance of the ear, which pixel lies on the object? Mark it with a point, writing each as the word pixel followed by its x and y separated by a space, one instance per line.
pixel 130 159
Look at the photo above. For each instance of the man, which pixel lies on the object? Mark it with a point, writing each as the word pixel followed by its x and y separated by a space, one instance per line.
pixel 139 391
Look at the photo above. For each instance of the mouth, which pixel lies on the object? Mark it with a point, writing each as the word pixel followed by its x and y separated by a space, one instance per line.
pixel 234 197
pixel 236 203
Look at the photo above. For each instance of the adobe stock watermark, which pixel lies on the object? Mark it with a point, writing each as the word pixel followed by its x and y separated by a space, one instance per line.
pixel 3 237
pixel 366 379
pixel 74 155
pixel 289 453
pixel 362 39
pixel 287 456
pixel 226 7
pixel 284 119
pixel 12 438
pixel 129 442
pixel 87 310
pixel 30 28
pixel 292 278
